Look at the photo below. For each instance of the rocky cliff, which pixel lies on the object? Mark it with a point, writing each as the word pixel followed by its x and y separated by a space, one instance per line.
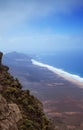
pixel 18 109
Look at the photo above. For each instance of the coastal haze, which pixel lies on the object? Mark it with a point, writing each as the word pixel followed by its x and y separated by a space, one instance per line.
pixel 42 42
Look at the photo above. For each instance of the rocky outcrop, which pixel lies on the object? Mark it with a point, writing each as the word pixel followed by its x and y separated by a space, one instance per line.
pixel 7 116
pixel 1 54
pixel 16 111
pixel 2 67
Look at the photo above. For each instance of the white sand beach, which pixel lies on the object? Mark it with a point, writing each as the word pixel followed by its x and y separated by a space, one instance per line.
pixel 68 76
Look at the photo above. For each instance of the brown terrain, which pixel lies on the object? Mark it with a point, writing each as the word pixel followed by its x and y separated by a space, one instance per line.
pixel 62 99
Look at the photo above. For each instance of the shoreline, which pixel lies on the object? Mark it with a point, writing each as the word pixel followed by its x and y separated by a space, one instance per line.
pixel 67 76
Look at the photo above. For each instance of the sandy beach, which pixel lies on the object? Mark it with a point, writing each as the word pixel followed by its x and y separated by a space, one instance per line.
pixel 67 76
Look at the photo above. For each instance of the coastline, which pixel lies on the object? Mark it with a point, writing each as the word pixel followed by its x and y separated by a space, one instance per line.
pixel 67 76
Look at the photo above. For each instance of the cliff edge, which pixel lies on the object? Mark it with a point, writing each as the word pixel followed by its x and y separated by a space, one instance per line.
pixel 18 109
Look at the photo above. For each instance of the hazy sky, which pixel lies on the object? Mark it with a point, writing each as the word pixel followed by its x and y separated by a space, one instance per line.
pixel 41 25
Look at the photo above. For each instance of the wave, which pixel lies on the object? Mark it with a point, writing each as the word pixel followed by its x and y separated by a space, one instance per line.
pixel 60 72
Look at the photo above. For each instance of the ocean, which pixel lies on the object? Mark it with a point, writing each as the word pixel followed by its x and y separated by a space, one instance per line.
pixel 69 63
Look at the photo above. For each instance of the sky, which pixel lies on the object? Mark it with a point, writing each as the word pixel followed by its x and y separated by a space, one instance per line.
pixel 41 25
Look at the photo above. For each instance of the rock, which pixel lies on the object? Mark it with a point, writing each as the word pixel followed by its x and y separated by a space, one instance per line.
pixel 17 113
pixel 7 116
pixel 1 54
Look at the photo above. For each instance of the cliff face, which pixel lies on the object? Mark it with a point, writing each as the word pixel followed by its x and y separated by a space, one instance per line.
pixel 8 119
pixel 18 109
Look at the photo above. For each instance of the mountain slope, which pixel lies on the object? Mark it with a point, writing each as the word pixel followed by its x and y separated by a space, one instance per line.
pixel 18 109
